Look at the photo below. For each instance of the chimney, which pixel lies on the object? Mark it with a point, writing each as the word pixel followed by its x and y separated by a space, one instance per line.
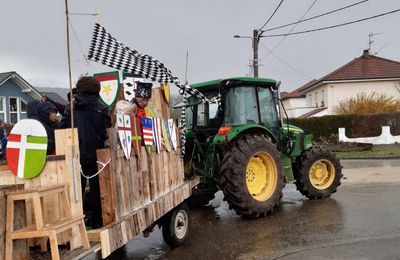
pixel 366 54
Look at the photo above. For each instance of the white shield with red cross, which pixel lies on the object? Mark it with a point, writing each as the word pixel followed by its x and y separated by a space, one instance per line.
pixel 125 133
pixel 26 149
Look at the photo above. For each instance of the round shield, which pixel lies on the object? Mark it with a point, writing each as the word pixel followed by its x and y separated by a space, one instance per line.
pixel 26 148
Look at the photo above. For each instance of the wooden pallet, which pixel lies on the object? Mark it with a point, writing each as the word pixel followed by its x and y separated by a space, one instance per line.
pixel 41 228
pixel 115 235
pixel 59 169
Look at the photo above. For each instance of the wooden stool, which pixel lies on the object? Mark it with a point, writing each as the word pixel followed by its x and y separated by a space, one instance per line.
pixel 40 229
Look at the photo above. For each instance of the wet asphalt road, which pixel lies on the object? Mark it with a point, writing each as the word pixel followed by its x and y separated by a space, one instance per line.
pixel 360 221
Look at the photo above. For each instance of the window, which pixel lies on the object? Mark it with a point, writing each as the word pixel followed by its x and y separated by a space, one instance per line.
pixel 316 99
pixel 241 106
pixel 268 112
pixel 14 110
pixel 309 100
pixel 2 108
pixel 323 98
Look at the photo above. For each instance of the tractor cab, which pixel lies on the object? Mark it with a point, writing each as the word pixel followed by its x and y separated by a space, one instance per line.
pixel 243 102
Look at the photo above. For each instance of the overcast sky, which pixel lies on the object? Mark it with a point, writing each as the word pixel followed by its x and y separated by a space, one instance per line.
pixel 33 37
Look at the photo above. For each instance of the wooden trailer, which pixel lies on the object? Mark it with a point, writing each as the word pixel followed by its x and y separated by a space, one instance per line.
pixel 136 193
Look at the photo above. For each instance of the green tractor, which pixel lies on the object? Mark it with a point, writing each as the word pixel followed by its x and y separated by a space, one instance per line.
pixel 241 146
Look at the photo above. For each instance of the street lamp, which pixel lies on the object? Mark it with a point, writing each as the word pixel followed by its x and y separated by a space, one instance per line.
pixel 255 40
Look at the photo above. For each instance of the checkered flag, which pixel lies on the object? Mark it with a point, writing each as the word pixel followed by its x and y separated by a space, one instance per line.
pixel 107 50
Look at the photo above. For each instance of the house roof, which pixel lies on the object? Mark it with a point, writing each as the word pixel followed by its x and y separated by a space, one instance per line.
pixel 55 97
pixel 21 82
pixel 5 75
pixel 297 92
pixel 313 112
pixel 365 67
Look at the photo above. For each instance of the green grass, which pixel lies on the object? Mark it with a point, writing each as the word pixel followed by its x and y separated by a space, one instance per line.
pixel 378 151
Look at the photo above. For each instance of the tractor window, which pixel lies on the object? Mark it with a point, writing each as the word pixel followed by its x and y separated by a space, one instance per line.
pixel 206 113
pixel 189 117
pixel 241 106
pixel 269 115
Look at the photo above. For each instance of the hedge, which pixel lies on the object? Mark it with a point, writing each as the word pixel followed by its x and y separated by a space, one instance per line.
pixel 356 125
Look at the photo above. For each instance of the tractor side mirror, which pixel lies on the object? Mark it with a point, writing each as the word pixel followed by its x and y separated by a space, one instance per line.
pixel 276 86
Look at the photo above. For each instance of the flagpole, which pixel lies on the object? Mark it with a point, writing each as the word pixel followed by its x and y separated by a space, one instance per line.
pixel 75 177
pixel 69 74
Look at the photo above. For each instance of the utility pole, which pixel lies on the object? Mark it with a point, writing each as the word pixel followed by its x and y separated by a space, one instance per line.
pixel 257 34
pixel 256 39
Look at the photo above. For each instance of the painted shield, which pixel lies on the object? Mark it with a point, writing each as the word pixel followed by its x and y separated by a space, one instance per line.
pixel 109 87
pixel 26 149
pixel 136 135
pixel 125 133
pixel 165 89
pixel 172 132
pixel 157 133
pixel 165 134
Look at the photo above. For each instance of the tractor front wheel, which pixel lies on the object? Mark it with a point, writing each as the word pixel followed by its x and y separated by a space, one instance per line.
pixel 252 176
pixel 318 173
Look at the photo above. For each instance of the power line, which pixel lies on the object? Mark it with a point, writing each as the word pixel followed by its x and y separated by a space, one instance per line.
pixel 91 14
pixel 332 26
pixel 284 62
pixel 280 42
pixel 314 17
pixel 276 9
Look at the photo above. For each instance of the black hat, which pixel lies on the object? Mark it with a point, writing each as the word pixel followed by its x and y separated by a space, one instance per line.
pixel 143 90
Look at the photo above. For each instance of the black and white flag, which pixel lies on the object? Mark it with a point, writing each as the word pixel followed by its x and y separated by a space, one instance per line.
pixel 107 50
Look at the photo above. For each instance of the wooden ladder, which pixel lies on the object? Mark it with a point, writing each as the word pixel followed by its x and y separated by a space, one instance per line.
pixel 41 229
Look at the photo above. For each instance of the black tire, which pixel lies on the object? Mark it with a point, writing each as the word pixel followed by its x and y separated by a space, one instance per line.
pixel 306 168
pixel 235 177
pixel 176 226
pixel 198 198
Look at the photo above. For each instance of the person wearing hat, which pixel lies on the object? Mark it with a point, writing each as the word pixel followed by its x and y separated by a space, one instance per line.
pixel 142 98
pixel 92 119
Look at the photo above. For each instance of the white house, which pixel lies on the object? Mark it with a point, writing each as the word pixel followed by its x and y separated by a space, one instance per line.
pixel 367 73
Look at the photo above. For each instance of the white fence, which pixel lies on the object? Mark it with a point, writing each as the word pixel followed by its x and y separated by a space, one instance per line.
pixel 385 138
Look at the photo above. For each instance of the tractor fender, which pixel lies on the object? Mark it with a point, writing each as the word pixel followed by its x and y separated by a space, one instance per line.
pixel 238 131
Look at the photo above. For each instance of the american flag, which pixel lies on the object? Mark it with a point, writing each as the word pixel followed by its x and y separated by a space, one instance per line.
pixel 147 125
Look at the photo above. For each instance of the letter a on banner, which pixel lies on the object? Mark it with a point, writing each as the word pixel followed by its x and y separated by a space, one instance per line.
pixel 109 87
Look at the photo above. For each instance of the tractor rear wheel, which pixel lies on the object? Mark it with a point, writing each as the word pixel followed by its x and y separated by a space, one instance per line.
pixel 252 176
pixel 318 173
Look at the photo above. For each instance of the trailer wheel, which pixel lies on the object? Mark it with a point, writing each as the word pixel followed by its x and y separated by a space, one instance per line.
pixel 176 226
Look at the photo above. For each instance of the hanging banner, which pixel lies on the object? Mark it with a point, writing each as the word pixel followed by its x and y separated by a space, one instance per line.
pixel 109 87
pixel 129 82
pixel 165 90
pixel 136 135
pixel 26 148
pixel 172 131
pixel 157 133
pixel 125 133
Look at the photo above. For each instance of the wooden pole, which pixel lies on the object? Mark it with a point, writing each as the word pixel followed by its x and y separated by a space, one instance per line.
pixel 69 73
pixel 75 177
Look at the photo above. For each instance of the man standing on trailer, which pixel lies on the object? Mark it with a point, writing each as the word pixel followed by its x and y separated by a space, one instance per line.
pixel 92 119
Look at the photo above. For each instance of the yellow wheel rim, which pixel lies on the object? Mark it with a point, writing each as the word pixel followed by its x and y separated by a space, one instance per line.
pixel 322 174
pixel 261 176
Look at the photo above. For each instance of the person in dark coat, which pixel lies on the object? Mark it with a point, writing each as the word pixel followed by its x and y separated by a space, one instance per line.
pixel 46 113
pixel 92 119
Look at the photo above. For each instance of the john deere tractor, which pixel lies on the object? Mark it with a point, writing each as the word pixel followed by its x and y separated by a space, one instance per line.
pixel 241 146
